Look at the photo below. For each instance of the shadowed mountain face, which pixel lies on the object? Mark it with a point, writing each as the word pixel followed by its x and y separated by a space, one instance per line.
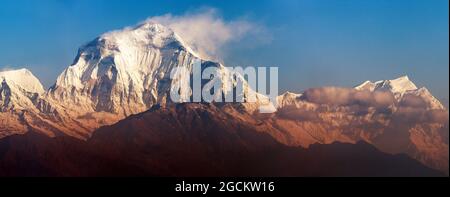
pixel 127 71
pixel 192 140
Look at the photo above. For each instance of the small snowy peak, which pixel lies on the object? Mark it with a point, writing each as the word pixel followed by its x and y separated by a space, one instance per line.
pixel 288 94
pixel 396 86
pixel 18 90
pixel 22 78
pixel 367 85
pixel 399 85
pixel 288 98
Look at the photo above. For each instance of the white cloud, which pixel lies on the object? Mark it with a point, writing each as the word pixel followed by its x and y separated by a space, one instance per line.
pixel 207 32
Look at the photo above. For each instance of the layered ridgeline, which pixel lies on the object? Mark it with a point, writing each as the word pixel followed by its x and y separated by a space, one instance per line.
pixel 127 72
pixel 393 115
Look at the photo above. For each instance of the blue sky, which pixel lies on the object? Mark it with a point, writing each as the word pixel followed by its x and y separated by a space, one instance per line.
pixel 314 42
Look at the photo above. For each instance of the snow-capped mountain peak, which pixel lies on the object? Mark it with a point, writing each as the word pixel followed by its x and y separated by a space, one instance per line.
pixel 160 33
pixel 397 86
pixel 148 34
pixel 18 89
pixel 288 98
pixel 125 71
pixel 400 87
pixel 22 78
pixel 367 85
pixel 154 35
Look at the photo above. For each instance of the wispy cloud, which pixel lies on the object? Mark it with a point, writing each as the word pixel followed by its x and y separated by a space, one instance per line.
pixel 207 32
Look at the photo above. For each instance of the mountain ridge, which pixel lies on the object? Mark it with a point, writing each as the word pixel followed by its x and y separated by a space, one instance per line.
pixel 125 72
pixel 149 144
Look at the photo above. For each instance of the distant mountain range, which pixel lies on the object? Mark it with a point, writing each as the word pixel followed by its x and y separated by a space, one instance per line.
pixel 112 103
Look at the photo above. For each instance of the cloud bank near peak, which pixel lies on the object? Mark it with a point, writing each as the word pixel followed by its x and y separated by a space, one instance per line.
pixel 409 110
pixel 207 32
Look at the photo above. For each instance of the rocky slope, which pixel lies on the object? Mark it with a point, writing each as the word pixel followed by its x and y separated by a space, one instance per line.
pixel 192 140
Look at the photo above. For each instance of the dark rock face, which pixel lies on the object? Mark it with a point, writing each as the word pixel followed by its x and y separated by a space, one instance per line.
pixel 192 140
